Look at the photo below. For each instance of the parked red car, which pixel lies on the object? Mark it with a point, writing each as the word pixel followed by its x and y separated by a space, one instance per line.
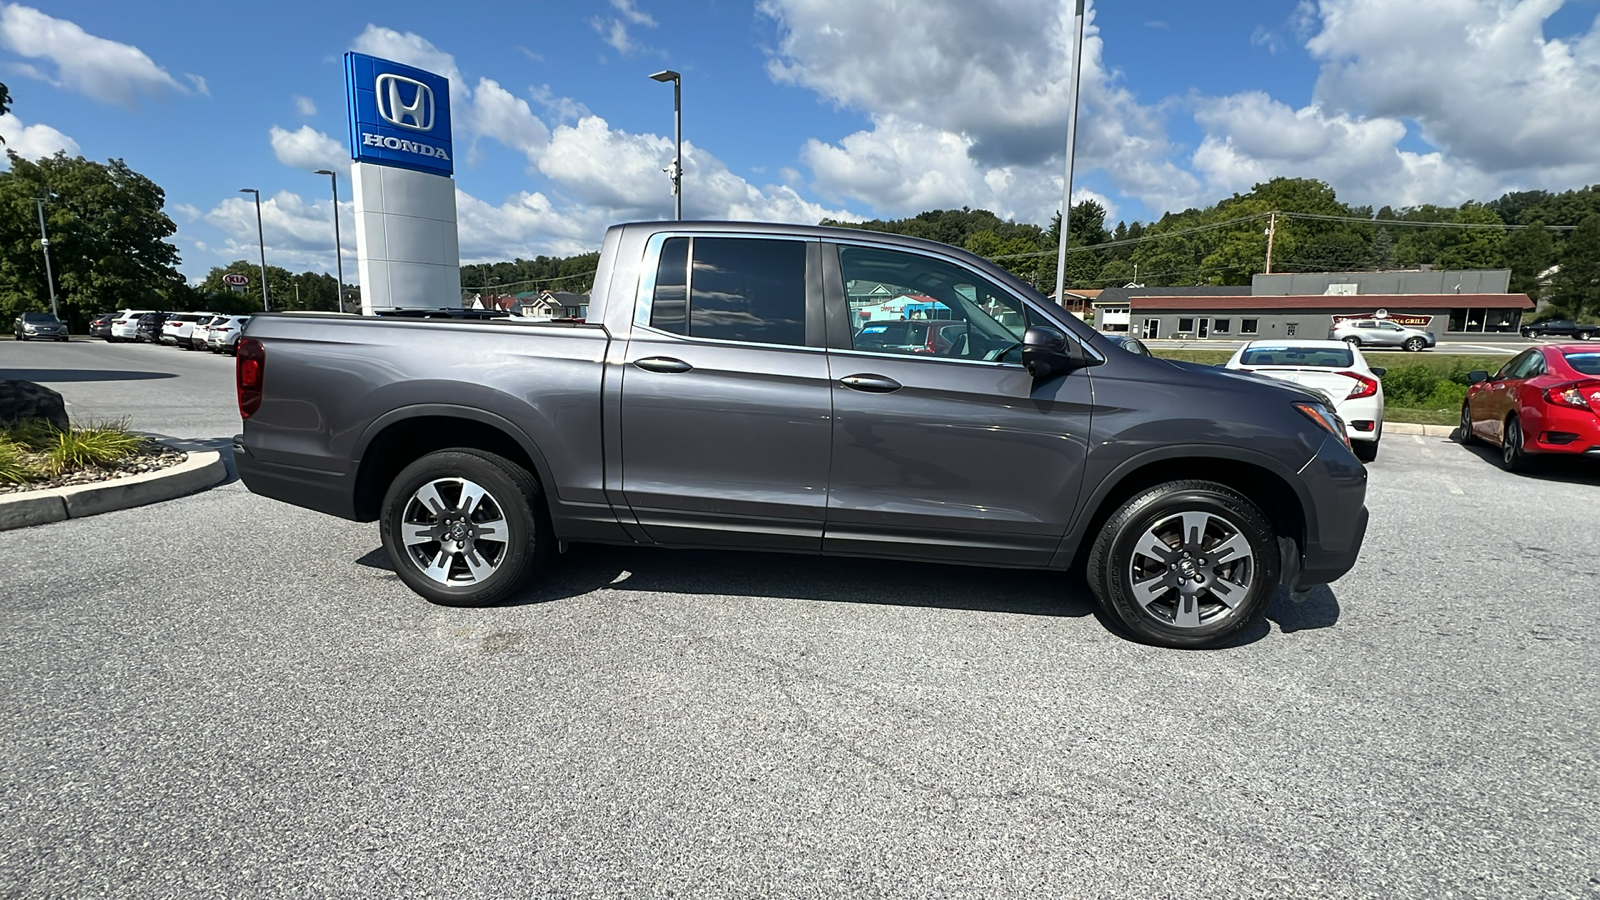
pixel 1545 400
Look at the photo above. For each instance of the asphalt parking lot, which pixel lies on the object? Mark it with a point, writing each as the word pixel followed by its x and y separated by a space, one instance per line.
pixel 226 696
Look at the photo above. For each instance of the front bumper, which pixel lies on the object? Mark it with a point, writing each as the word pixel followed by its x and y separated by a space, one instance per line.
pixel 1336 523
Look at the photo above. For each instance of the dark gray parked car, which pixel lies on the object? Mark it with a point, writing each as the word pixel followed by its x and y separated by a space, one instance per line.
pixel 39 326
pixel 720 395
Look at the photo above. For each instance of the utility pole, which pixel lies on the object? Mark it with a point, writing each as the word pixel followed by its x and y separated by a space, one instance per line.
pixel 44 245
pixel 1072 137
pixel 1272 232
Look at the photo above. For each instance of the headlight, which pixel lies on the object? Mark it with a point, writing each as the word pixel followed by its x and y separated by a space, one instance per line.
pixel 1326 418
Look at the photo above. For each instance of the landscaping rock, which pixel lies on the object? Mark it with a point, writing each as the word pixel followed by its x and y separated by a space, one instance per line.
pixel 23 400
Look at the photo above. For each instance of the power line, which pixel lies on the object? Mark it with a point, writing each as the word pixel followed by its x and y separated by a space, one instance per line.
pixel 512 284
pixel 1405 223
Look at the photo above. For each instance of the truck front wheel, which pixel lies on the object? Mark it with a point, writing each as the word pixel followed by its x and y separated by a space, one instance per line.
pixel 1185 564
pixel 465 527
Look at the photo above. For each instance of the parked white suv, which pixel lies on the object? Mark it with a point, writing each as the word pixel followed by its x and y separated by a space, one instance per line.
pixel 224 334
pixel 1381 333
pixel 125 327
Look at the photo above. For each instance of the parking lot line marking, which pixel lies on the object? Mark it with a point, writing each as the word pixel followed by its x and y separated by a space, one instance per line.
pixel 1418 439
pixel 1452 487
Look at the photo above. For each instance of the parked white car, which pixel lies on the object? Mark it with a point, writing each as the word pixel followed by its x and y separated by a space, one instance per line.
pixel 125 327
pixel 199 337
pixel 1335 368
pixel 223 336
pixel 176 329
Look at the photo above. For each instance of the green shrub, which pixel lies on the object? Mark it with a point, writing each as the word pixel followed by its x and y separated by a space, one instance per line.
pixel 99 444
pixel 14 468
pixel 1410 385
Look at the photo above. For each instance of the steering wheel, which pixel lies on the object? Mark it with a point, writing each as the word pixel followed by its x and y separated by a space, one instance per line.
pixel 996 355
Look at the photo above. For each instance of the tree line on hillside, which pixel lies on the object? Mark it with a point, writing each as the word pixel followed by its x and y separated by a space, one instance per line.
pixel 1226 243
pixel 109 246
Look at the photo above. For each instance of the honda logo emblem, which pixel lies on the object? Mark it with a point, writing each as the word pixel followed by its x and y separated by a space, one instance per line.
pixel 391 91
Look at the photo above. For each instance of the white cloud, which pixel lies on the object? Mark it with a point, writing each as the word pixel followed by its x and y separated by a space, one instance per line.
pixel 308 148
pixel 305 106
pixel 200 85
pixel 987 81
pixel 614 31
pixel 1501 106
pixel 1491 90
pixel 298 232
pixel 1253 138
pixel 497 114
pixel 102 69
pixel 34 141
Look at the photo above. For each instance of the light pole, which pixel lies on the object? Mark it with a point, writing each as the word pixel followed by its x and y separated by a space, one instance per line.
pixel 338 255
pixel 676 170
pixel 1072 143
pixel 261 236
pixel 44 245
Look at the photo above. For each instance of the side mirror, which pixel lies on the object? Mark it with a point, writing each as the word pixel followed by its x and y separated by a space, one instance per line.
pixel 1047 352
pixel 1379 371
pixel 1477 376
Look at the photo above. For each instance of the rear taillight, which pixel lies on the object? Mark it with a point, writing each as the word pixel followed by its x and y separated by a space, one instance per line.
pixel 1326 418
pixel 1573 394
pixel 250 371
pixel 1365 387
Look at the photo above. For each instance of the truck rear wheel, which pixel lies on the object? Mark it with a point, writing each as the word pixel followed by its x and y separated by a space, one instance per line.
pixel 465 527
pixel 1185 564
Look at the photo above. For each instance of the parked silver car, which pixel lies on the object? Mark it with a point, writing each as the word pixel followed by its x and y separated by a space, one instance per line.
pixel 1381 333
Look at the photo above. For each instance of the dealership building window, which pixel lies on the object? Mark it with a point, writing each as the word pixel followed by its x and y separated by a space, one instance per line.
pixel 1186 325
pixel 1492 321
pixel 1249 326
pixel 1221 326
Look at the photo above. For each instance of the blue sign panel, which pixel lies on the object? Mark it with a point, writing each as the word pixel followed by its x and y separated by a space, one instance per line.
pixel 399 116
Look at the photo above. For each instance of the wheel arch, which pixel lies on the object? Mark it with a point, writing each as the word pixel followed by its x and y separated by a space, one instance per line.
pixel 1271 486
pixel 399 437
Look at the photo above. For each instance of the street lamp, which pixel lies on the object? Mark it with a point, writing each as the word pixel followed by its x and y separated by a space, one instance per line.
pixel 266 305
pixel 676 169
pixel 338 255
pixel 44 245
pixel 1072 143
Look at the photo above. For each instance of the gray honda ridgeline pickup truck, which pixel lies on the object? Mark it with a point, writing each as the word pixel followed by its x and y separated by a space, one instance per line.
pixel 756 387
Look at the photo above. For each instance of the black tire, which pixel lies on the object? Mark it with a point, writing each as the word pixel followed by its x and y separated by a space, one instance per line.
pixel 1527 332
pixel 514 502
pixel 1115 561
pixel 1512 457
pixel 1366 451
pixel 1414 345
pixel 1353 341
pixel 1466 436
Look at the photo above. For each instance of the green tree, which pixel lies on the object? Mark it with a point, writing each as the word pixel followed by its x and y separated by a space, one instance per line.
pixel 1576 288
pixel 221 297
pixel 1529 253
pixel 108 238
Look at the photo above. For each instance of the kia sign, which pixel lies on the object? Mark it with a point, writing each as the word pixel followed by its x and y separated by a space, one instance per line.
pixel 399 116
pixel 235 279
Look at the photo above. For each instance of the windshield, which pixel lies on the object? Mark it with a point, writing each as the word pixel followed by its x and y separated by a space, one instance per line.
pixel 38 317
pixel 1299 357
pixel 1587 362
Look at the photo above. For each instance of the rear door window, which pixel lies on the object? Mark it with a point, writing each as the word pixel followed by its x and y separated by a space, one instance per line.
pixel 732 289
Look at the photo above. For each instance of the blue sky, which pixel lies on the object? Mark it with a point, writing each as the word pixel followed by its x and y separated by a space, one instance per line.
pixel 798 109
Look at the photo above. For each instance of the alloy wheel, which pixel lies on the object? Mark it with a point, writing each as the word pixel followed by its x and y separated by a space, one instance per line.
pixel 1191 569
pixel 454 532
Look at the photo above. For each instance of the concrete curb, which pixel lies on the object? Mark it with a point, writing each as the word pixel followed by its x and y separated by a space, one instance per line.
pixel 1427 430
pixel 201 470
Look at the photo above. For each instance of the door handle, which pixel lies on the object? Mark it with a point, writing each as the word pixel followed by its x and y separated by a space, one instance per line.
pixel 871 384
pixel 663 364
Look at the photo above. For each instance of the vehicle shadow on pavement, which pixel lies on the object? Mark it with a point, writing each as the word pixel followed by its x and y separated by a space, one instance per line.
pixel 1568 470
pixel 68 375
pixel 1316 608
pixel 587 568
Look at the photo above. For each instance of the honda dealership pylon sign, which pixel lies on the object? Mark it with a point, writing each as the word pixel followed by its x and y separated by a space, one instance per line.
pixel 406 242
